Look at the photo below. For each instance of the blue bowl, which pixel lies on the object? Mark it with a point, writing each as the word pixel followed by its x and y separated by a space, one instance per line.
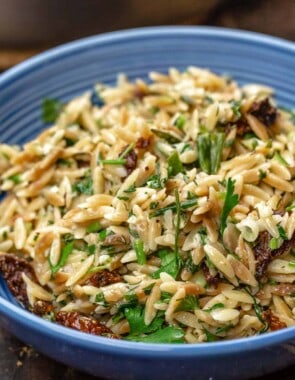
pixel 69 70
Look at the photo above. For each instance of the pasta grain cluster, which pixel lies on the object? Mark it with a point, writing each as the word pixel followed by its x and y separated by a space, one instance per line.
pixel 166 213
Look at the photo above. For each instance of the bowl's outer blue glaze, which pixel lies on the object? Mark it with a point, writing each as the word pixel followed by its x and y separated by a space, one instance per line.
pixel 71 69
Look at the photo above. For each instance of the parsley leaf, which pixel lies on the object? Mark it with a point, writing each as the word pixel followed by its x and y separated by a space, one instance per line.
pixel 282 233
pixel 168 334
pixel 51 109
pixel 169 264
pixel 174 165
pixel 210 147
pixel 180 122
pixel 139 250
pixel 15 178
pixel 183 206
pixel 155 182
pixel 236 107
pixel 231 200
pixel 65 253
pixel 135 318
pixel 84 186
pixel 94 227
pixel 188 303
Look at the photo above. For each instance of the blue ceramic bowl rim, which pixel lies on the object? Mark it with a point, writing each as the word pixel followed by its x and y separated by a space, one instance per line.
pixel 121 347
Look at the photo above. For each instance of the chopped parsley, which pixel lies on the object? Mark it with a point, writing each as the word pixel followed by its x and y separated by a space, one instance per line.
pixel 15 178
pixel 51 109
pixel 174 165
pixel 155 182
pixel 168 136
pixel 139 250
pixel 169 263
pixel 210 147
pixel 152 333
pixel 180 122
pixel 282 233
pixel 236 107
pixel 94 227
pixel 130 189
pixel 65 253
pixel 190 302
pixel 85 186
pixel 214 307
pixel 183 206
pixel 231 200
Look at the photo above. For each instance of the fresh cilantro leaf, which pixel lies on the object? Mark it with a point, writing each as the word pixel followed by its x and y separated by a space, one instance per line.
pixel 190 266
pixel 174 165
pixel 100 300
pixel 51 109
pixel 231 200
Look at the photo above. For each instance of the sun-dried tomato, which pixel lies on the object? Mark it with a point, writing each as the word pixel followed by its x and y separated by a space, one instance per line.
pixel 89 325
pixel 11 268
pixel 264 254
pixel 131 160
pixel 143 142
pixel 210 279
pixel 273 322
pixel 264 112
pixel 42 308
pixel 104 278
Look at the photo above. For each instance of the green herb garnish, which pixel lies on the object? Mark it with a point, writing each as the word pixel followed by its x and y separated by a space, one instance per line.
pixel 51 109
pixel 214 307
pixel 94 227
pixel 210 147
pixel 282 233
pixel 139 250
pixel 15 178
pixel 65 253
pixel 84 186
pixel 236 107
pixel 231 200
pixel 189 303
pixel 180 122
pixel 174 165
pixel 183 206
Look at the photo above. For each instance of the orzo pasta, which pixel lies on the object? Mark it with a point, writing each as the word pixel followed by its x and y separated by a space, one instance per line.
pixel 165 213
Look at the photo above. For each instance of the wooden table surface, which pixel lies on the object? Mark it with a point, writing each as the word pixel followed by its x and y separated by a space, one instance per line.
pixel 20 362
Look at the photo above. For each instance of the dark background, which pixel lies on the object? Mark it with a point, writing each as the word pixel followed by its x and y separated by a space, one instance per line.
pixel 31 26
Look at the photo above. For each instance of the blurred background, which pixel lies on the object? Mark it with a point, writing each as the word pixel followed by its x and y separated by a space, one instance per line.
pixel 30 26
